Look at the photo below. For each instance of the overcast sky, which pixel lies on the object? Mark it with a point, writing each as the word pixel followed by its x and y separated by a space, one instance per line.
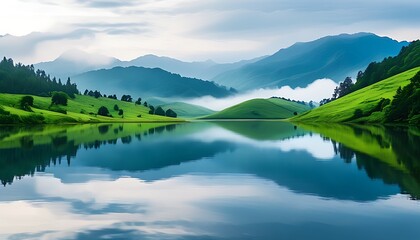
pixel 222 30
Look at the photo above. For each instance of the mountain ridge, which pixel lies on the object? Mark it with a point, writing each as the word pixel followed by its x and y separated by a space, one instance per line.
pixel 148 82
pixel 333 57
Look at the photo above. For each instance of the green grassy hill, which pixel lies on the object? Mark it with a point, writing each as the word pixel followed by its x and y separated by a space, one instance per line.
pixel 365 99
pixel 272 108
pixel 81 109
pixel 186 110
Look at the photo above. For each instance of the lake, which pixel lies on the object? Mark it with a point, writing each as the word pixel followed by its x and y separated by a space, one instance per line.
pixel 209 180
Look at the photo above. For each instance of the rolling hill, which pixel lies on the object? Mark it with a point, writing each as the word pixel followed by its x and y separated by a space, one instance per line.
pixel 272 108
pixel 81 109
pixel 147 82
pixel 186 110
pixel 333 57
pixel 366 99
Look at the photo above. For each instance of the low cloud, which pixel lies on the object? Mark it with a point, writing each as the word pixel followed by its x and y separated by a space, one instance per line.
pixel 316 91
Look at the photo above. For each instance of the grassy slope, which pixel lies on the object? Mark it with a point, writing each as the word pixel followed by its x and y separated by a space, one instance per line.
pixel 185 110
pixel 365 99
pixel 78 110
pixel 272 108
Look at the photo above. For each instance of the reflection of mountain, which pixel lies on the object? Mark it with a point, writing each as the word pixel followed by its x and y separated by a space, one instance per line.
pixel 262 130
pixel 156 155
pixel 390 154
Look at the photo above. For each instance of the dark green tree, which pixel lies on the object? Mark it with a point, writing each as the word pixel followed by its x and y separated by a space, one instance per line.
pixel 126 98
pixel 59 98
pixel 26 102
pixel 152 109
pixel 405 107
pixel 171 113
pixel 138 102
pixel 121 112
pixel 159 111
pixel 103 111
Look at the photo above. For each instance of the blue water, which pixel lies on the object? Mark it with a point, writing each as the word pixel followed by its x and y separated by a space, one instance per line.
pixel 208 181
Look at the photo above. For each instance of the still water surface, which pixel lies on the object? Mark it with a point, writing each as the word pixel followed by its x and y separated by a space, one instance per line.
pixel 221 180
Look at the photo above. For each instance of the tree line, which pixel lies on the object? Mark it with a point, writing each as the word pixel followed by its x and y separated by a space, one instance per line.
pixel 24 79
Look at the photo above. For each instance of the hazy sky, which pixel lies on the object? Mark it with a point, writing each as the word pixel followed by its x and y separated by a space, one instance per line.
pixel 222 30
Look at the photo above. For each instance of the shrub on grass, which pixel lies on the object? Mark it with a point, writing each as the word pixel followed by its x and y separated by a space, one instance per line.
pixel 26 102
pixel 171 113
pixel 59 98
pixel 103 111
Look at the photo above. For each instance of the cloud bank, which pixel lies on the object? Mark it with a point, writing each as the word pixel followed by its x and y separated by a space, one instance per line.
pixel 316 91
pixel 193 30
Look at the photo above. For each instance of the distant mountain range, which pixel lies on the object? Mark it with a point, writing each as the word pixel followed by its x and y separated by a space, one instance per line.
pixel 203 70
pixel 75 62
pixel 147 82
pixel 333 57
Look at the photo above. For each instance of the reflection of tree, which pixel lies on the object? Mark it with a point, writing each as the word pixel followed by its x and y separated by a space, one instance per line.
pixel 345 153
pixel 29 158
pixel 103 129
pixel 403 144
pixel 26 161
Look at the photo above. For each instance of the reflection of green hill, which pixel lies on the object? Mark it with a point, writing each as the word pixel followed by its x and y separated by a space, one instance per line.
pixel 27 150
pixel 262 130
pixel 12 136
pixel 395 150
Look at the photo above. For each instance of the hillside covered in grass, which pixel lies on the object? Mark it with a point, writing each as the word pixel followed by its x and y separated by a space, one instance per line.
pixel 81 109
pixel 186 110
pixel 368 104
pixel 273 108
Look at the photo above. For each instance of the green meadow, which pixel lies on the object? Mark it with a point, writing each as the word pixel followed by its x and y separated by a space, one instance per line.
pixel 81 109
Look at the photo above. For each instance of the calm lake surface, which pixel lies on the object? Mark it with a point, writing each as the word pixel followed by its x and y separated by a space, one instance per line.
pixel 220 180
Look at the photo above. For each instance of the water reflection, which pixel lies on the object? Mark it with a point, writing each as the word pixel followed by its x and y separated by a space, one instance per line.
pixel 248 180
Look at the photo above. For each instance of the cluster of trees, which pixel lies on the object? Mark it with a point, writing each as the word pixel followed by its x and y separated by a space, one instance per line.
pixel 126 98
pixel 22 79
pixel 161 112
pixel 405 107
pixel 291 100
pixel 310 103
pixel 119 110
pixel 98 94
pixel 408 58
pixel 342 90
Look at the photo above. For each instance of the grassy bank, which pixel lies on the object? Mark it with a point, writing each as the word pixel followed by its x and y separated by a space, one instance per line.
pixel 81 109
